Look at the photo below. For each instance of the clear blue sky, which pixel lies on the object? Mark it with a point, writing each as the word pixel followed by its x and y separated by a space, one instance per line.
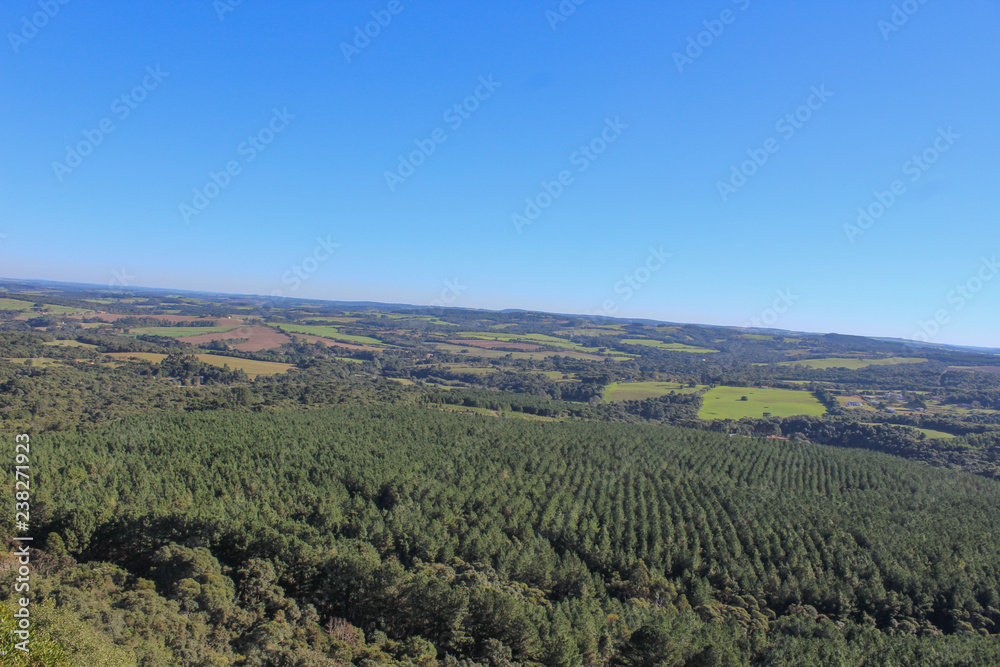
pixel 678 128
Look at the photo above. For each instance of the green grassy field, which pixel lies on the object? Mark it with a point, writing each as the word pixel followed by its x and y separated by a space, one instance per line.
pixel 853 364
pixel 431 319
pixel 725 403
pixel 673 347
pixel 34 361
pixel 251 367
pixel 340 320
pixel 593 331
pixel 66 310
pixel 151 357
pixel 15 304
pixel 558 375
pixel 636 391
pixel 18 304
pixel 332 333
pixel 70 343
pixel 181 332
pixel 929 432
pixel 475 370
pixel 538 339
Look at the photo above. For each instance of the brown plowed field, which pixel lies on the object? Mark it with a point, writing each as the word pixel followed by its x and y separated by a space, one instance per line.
pixel 260 338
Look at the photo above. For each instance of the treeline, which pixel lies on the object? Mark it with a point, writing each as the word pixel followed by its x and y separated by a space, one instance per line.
pixel 507 401
pixel 976 453
pixel 139 321
pixel 671 408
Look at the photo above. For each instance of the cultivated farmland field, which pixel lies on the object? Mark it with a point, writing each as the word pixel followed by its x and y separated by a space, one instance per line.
pixel 495 344
pixel 496 354
pixel 32 361
pixel 328 332
pixel 853 364
pixel 15 304
pixel 182 332
pixel 70 343
pixel 673 347
pixel 636 391
pixel 537 339
pixel 251 367
pixel 258 338
pixel 725 403
pixel 18 304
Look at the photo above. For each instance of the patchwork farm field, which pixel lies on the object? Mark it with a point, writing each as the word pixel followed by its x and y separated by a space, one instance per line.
pixel 258 338
pixel 15 304
pixel 636 391
pixel 430 319
pixel 169 317
pixel 330 342
pixel 21 305
pixel 540 339
pixel 251 367
pixel 595 331
pixel 673 347
pixel 496 354
pixel 853 364
pixel 339 320
pixel 332 333
pixel 725 403
pixel 183 332
pixel 495 344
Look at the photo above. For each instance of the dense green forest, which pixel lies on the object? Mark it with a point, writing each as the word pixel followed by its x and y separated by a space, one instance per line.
pixel 407 534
